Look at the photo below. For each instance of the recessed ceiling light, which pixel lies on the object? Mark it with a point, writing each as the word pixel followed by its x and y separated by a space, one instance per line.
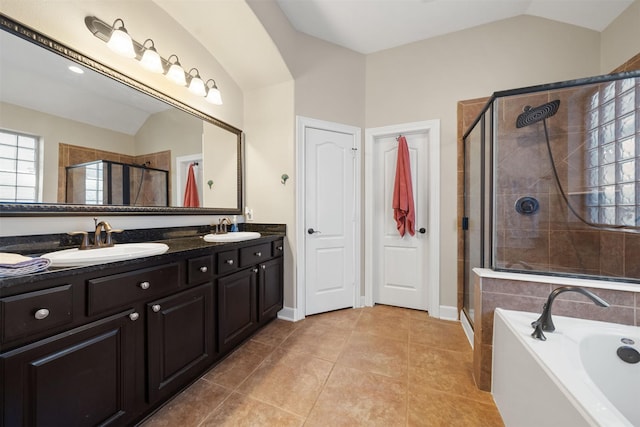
pixel 76 69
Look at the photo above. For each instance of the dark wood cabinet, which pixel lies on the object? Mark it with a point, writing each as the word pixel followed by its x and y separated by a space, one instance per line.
pixel 180 344
pixel 107 346
pixel 270 298
pixel 85 376
pixel 237 310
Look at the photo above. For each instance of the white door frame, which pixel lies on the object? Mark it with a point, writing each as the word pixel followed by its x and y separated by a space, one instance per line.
pixel 302 123
pixel 433 258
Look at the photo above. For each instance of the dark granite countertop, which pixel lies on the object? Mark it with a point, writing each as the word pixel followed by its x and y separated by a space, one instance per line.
pixel 181 240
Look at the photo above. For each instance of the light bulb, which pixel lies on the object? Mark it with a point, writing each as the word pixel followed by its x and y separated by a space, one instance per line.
pixel 176 73
pixel 120 41
pixel 213 95
pixel 151 59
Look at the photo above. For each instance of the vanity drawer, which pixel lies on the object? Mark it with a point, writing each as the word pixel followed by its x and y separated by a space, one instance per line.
pixel 255 254
pixel 277 248
pixel 34 312
pixel 199 270
pixel 226 261
pixel 114 292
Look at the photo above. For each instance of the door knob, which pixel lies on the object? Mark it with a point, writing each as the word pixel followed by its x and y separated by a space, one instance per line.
pixel 312 231
pixel 422 230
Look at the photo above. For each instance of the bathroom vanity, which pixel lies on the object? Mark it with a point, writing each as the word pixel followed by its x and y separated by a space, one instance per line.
pixel 108 344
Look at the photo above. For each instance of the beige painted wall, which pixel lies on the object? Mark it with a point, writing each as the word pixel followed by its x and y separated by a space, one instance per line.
pixel 620 41
pixel 269 153
pixel 425 80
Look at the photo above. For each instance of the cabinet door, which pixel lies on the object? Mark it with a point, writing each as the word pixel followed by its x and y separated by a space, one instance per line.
pixel 180 331
pixel 83 377
pixel 237 311
pixel 270 289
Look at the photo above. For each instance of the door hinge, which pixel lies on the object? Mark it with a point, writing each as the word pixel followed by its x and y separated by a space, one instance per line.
pixel 465 223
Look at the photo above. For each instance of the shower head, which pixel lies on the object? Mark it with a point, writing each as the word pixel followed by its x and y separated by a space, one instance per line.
pixel 533 115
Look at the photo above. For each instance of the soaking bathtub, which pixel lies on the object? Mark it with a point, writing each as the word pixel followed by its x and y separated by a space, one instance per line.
pixel 574 378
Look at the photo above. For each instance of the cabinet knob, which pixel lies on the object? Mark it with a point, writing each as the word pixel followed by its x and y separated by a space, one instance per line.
pixel 279 248
pixel 43 313
pixel 156 308
pixel 264 267
pixel 229 261
pixel 258 253
pixel 134 316
pixel 255 270
pixel 145 285
pixel 204 269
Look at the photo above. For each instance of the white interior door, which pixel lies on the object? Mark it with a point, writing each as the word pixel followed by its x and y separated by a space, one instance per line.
pixel 331 219
pixel 399 262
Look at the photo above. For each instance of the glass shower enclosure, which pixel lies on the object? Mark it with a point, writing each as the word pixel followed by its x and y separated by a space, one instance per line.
pixel 552 182
pixel 104 182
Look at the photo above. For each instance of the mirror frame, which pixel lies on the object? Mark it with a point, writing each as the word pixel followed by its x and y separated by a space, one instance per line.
pixel 60 209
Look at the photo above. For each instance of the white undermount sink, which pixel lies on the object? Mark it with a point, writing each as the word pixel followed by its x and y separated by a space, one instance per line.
pixel 237 236
pixel 119 252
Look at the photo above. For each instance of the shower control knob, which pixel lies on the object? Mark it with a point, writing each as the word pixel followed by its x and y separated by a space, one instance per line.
pixel 156 308
pixel 422 230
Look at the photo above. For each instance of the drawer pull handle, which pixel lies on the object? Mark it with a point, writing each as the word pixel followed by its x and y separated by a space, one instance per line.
pixel 134 316
pixel 229 261
pixel 279 248
pixel 43 313
pixel 145 285
pixel 204 269
pixel 264 267
pixel 156 308
pixel 258 253
pixel 255 270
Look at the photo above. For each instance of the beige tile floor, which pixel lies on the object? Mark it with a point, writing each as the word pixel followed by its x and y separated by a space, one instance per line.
pixel 375 366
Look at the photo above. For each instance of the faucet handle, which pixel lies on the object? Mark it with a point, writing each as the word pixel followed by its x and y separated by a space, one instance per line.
pixel 537 331
pixel 108 240
pixel 85 238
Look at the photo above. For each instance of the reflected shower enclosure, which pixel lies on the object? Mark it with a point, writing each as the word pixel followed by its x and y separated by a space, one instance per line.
pixel 103 182
pixel 552 182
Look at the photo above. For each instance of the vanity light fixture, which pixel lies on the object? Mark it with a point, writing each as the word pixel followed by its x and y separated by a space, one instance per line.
pixel 151 58
pixel 213 93
pixel 120 40
pixel 175 73
pixel 197 84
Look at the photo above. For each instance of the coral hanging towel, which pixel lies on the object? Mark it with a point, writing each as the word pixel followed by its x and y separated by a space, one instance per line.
pixel 403 206
pixel 191 190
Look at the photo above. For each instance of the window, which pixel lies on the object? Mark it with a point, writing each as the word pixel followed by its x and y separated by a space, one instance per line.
pixel 19 168
pixel 93 183
pixel 613 154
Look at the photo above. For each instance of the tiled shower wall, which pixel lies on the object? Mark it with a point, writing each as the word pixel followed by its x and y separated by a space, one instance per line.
pixel 74 154
pixel 530 296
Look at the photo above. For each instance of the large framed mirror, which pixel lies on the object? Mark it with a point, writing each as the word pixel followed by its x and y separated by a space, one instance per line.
pixel 101 142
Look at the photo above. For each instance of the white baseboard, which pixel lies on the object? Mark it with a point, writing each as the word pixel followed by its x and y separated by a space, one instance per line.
pixel 289 314
pixel 448 313
pixel 466 327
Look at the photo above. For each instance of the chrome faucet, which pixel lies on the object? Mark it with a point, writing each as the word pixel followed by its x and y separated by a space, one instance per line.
pixel 545 323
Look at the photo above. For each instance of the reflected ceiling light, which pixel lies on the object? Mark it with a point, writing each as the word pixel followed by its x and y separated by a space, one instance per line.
pixel 197 84
pixel 213 93
pixel 120 40
pixel 151 58
pixel 175 73
pixel 75 69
